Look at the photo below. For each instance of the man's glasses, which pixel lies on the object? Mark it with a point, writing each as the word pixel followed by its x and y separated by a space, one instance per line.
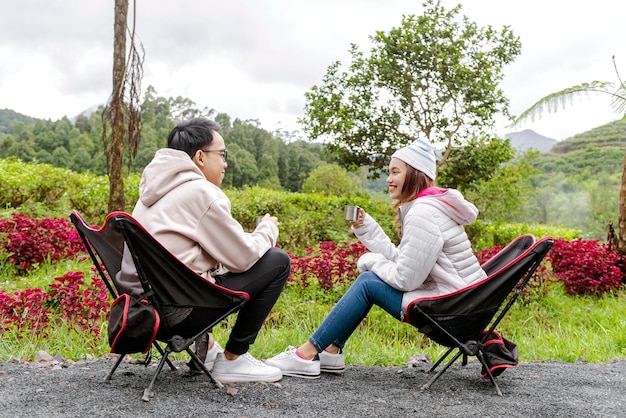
pixel 224 153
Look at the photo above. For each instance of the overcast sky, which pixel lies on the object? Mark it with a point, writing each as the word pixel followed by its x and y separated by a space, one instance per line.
pixel 256 59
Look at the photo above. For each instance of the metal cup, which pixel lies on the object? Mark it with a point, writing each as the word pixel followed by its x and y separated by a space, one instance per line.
pixel 351 213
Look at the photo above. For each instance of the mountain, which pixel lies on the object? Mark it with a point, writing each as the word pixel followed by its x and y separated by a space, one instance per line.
pixel 529 139
pixel 612 134
pixel 9 117
pixel 609 134
pixel 87 112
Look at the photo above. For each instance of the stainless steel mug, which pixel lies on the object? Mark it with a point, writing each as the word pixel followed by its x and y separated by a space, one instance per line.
pixel 351 213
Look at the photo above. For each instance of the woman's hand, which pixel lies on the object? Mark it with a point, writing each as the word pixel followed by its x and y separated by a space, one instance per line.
pixel 359 223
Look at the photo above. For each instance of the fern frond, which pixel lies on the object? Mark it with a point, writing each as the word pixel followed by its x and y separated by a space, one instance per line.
pixel 552 102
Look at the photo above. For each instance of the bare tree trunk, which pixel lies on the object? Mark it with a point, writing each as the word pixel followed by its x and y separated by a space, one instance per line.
pixel 621 243
pixel 116 149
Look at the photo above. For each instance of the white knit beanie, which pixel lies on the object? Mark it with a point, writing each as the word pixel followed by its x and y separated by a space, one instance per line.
pixel 420 156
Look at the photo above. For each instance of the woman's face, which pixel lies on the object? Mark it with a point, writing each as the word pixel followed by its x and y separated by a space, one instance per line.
pixel 396 177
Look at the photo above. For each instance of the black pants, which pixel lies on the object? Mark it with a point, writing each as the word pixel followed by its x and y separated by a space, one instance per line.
pixel 263 282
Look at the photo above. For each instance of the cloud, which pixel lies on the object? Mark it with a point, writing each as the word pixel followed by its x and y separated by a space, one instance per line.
pixel 256 59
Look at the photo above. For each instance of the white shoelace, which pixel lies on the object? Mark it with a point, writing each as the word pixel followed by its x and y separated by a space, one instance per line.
pixel 291 350
pixel 253 360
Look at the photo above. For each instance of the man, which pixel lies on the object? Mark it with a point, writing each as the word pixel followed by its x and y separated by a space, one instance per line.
pixel 182 205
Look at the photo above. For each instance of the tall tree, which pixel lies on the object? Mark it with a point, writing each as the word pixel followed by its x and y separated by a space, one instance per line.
pixel 479 159
pixel 560 99
pixel 331 179
pixel 434 76
pixel 122 113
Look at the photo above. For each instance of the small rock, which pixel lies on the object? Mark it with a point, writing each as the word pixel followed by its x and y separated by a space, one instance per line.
pixel 418 359
pixel 43 356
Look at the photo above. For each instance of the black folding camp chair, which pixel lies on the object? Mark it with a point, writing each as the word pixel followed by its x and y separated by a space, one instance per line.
pixel 167 283
pixel 105 246
pixel 464 320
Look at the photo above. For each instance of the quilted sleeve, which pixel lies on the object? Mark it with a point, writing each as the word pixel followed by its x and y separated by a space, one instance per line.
pixel 417 253
pixel 375 240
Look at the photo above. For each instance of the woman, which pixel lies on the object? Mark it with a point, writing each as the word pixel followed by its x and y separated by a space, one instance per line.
pixel 434 257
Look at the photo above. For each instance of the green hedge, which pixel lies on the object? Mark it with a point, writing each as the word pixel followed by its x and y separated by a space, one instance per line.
pixel 486 235
pixel 33 185
pixel 306 219
pixel 89 194
pixel 41 190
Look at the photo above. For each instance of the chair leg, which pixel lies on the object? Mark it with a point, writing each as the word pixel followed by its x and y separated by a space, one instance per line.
pixel 481 358
pixel 448 364
pixel 117 363
pixel 162 353
pixel 120 358
pixel 149 391
pixel 200 363
pixel 442 358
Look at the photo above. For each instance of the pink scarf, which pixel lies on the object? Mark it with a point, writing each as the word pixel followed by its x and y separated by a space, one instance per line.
pixel 430 191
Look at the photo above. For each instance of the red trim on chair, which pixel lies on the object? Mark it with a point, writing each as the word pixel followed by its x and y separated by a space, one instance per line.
pixel 478 283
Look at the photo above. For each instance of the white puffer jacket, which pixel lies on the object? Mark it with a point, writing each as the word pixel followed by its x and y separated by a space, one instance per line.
pixel 434 256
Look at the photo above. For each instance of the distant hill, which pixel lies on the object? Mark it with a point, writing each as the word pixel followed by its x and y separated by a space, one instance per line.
pixel 596 155
pixel 87 112
pixel 529 139
pixel 9 117
pixel 612 134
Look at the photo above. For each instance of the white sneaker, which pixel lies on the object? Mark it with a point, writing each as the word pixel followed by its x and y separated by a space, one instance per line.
pixel 293 365
pixel 244 368
pixel 332 363
pixel 211 355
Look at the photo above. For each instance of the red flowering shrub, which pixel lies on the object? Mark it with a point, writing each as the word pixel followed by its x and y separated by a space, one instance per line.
pixel 329 265
pixel 28 312
pixel 24 311
pixel 486 254
pixel 79 305
pixel 585 267
pixel 32 241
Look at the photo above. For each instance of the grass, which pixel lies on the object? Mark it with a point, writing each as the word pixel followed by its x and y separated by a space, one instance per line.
pixel 569 328
pixel 554 326
pixel 380 340
pixel 39 276
pixel 550 326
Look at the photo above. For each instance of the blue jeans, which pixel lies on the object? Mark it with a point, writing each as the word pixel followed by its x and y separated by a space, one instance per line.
pixel 353 307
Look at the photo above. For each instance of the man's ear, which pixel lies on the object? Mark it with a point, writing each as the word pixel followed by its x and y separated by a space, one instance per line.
pixel 198 157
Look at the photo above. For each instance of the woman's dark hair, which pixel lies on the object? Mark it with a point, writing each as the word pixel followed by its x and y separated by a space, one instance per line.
pixel 191 135
pixel 414 182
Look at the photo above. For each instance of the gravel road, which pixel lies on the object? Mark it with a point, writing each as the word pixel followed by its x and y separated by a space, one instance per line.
pixel 547 389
